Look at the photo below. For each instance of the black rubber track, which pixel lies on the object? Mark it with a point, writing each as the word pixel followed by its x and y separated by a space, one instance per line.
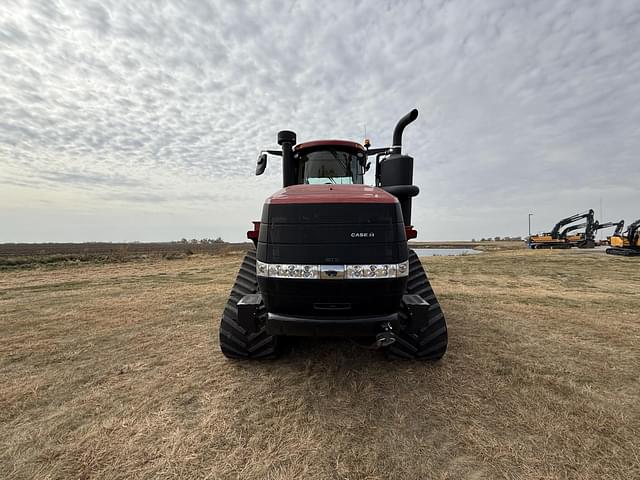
pixel 624 252
pixel 235 341
pixel 549 247
pixel 430 342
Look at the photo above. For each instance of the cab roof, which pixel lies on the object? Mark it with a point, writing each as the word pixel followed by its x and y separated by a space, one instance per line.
pixel 328 143
pixel 334 193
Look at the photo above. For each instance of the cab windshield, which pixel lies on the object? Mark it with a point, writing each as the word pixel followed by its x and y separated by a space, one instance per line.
pixel 330 167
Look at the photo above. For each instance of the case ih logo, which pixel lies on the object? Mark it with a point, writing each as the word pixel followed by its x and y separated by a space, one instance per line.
pixel 362 234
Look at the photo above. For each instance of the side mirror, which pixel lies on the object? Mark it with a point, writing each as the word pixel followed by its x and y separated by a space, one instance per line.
pixel 367 167
pixel 262 163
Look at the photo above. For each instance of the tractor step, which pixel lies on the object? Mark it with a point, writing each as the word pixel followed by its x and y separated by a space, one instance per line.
pixel 418 311
pixel 248 307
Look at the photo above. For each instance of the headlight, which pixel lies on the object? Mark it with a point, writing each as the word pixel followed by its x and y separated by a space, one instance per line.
pixel 352 272
pixel 279 270
pixel 403 269
pixel 371 271
pixel 262 269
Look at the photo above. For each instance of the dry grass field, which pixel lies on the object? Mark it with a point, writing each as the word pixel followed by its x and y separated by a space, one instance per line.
pixel 113 371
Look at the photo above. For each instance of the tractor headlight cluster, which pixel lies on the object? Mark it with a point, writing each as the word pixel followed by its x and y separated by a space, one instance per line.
pixel 371 271
pixel 352 272
pixel 281 270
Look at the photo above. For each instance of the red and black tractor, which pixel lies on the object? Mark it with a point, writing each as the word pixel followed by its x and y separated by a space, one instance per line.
pixel 331 256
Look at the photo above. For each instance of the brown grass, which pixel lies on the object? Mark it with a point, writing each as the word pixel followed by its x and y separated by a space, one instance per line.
pixel 487 245
pixel 113 371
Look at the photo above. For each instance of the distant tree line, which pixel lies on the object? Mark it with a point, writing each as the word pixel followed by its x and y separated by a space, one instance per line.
pixel 498 239
pixel 202 241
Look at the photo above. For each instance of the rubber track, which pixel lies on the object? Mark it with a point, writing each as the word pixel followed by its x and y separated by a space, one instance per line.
pixel 430 342
pixel 235 341
pixel 624 252
pixel 550 247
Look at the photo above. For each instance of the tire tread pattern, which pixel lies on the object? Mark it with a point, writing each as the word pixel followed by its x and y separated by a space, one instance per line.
pixel 430 341
pixel 235 341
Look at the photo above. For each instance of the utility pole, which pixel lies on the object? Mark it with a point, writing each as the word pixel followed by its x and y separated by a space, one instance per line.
pixel 530 224
pixel 601 209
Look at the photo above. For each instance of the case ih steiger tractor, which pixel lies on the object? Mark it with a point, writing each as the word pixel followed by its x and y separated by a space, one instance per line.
pixel 331 256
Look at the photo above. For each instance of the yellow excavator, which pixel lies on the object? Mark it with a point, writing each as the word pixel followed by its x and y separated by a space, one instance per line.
pixel 586 239
pixel 619 226
pixel 626 244
pixel 559 238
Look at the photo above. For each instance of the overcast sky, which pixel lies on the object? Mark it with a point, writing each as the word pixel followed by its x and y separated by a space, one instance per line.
pixel 141 120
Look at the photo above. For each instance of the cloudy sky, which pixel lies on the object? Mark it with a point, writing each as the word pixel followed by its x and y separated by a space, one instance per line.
pixel 141 120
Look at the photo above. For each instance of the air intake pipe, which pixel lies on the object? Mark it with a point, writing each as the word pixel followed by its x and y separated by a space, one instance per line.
pixel 287 139
pixel 396 170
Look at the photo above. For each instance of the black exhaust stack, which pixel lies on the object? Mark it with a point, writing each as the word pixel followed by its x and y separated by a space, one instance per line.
pixel 400 126
pixel 396 170
pixel 287 139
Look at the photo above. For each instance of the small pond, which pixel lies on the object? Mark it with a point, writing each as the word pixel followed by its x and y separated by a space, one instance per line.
pixel 434 252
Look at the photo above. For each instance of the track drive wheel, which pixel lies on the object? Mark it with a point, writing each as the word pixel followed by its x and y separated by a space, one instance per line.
pixel 235 341
pixel 429 342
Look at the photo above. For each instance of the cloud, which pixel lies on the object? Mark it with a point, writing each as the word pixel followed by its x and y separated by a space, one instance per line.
pixel 525 106
pixel 86 179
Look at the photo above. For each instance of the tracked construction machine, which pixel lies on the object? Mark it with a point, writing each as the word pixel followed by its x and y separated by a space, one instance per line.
pixel 559 237
pixel 331 256
pixel 626 244
pixel 601 226
pixel 587 238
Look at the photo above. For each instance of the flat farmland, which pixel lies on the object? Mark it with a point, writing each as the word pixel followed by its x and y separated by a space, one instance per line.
pixel 14 255
pixel 112 370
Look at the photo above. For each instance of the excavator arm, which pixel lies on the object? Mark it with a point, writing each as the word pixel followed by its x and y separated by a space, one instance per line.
pixel 563 234
pixel 574 218
pixel 619 226
pixel 589 231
